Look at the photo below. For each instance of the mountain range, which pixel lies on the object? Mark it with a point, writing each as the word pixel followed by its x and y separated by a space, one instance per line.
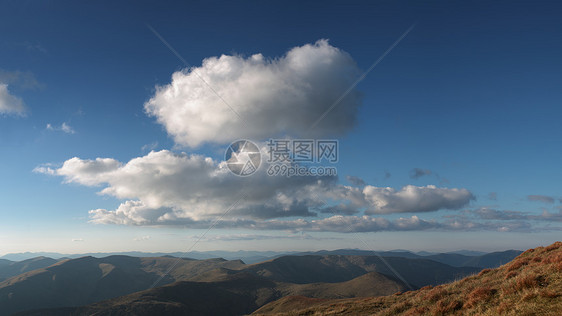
pixel 259 256
pixel 120 284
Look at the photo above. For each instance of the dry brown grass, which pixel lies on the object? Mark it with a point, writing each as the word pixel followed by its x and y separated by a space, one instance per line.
pixel 553 258
pixel 510 275
pixel 445 307
pixel 529 285
pixel 435 294
pixel 484 272
pixel 480 294
pixel 526 282
pixel 517 264
pixel 554 246
pixel 549 294
pixel 420 310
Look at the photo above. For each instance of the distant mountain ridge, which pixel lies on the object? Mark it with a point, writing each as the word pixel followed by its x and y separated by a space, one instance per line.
pixel 486 260
pixel 251 257
pixel 9 269
pixel 246 256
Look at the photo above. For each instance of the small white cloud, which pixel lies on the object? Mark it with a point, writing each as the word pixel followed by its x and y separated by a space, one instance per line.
pixel 45 170
pixel 10 104
pixel 65 128
pixel 142 238
pixel 149 147
pixel 241 237
pixel 78 240
pixel 415 199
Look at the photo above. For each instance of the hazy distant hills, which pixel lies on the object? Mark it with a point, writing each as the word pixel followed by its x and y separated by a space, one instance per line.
pixel 457 258
pixel 86 280
pixel 246 256
pixel 238 294
pixel 338 268
pixel 9 268
pixel 480 260
pixel 117 285
pixel 531 284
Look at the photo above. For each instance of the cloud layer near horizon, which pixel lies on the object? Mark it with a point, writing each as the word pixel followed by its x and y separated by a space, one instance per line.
pixel 268 97
pixel 166 188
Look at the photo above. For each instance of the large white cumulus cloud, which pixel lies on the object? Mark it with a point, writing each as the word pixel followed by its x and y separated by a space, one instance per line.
pixel 271 96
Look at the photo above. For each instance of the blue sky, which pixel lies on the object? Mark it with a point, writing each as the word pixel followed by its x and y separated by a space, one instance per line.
pixel 470 97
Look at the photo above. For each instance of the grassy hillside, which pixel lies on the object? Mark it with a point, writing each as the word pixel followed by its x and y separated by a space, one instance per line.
pixel 531 284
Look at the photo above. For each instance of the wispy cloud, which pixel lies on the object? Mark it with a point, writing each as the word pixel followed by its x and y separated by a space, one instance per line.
pixel 149 147
pixel 142 238
pixel 24 80
pixel 26 46
pixel 242 237
pixel 387 174
pixel 417 173
pixel 356 180
pixel 540 198
pixel 508 215
pixel 64 127
pixel 11 104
